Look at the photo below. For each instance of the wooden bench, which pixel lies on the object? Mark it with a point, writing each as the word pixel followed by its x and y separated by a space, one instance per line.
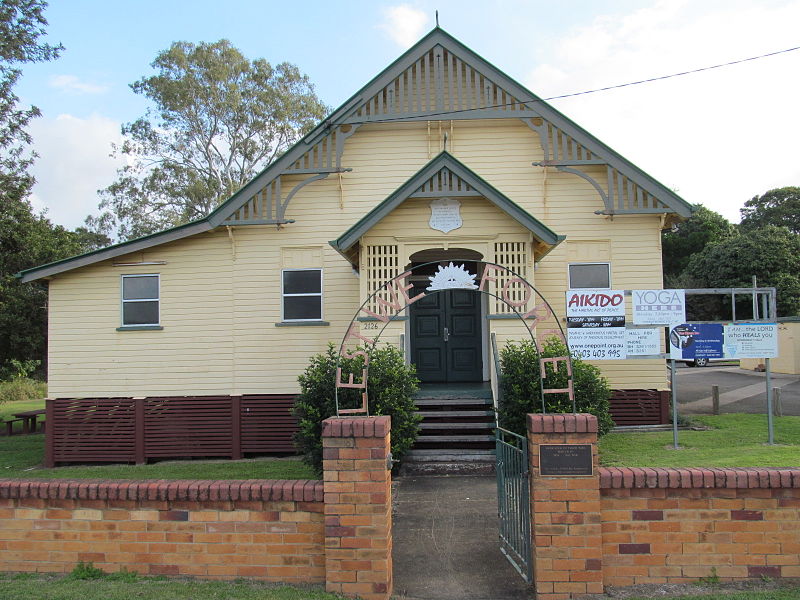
pixel 10 425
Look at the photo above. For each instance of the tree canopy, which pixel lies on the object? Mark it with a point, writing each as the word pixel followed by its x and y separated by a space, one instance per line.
pixel 780 207
pixel 26 239
pixel 217 119
pixel 771 253
pixel 686 239
pixel 22 23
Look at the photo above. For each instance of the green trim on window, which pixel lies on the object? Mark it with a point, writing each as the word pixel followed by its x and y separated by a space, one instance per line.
pixel 502 316
pixel 302 324
pixel 140 328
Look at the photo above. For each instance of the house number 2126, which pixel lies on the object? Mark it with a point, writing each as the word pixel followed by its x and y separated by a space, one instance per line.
pixel 369 325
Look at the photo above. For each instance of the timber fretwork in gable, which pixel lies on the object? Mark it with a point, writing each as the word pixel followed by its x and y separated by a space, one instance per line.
pixel 439 84
pixel 620 194
pixel 444 183
pixel 268 204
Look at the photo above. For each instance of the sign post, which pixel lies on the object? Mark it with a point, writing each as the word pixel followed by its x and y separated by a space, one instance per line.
pixel 674 386
pixel 770 424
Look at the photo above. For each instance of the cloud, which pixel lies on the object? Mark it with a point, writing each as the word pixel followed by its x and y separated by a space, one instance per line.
pixel 73 164
pixel 73 85
pixel 718 137
pixel 404 24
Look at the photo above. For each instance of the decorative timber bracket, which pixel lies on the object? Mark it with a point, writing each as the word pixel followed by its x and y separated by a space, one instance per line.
pixel 268 205
pixel 621 194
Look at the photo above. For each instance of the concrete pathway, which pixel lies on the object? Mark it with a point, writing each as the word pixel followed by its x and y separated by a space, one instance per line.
pixel 740 390
pixel 445 541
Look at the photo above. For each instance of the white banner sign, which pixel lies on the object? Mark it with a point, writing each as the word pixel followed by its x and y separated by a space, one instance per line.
pixel 658 307
pixel 641 342
pixel 607 343
pixel 751 340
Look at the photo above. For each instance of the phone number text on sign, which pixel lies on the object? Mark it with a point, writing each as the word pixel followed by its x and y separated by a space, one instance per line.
pixel 598 344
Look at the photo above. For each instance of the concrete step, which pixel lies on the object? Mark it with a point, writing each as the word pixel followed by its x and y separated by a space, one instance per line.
pixel 451 461
pixel 428 439
pixel 453 454
pixel 451 414
pixel 461 425
pixel 453 401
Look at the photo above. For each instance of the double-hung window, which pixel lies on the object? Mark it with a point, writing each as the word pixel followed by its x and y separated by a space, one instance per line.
pixel 589 276
pixel 301 291
pixel 140 300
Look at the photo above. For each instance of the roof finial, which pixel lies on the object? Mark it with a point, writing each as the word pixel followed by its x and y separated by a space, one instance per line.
pixel 437 18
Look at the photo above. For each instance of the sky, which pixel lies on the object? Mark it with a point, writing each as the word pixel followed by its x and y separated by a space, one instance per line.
pixel 718 137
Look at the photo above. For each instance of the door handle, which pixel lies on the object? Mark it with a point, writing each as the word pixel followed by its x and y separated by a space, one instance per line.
pixel 446 334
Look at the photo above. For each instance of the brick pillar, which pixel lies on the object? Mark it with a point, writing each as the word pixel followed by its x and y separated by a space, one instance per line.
pixel 565 512
pixel 358 507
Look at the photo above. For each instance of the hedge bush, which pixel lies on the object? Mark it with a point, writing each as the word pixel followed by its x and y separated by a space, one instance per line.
pixel 520 386
pixel 390 387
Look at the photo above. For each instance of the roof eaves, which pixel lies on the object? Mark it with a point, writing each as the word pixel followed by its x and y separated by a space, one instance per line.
pixel 142 243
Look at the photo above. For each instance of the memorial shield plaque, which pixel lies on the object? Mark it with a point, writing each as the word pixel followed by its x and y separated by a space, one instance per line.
pixel 445 214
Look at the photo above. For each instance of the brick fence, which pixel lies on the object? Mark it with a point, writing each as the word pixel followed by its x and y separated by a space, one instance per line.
pixel 336 531
pixel 626 526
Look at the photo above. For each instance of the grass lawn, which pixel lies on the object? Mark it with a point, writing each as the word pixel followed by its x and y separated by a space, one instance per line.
pixel 7 408
pixel 21 456
pixel 735 440
pixel 788 593
pixel 127 586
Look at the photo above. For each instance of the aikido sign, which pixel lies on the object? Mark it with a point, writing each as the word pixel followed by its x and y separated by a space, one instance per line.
pixel 394 296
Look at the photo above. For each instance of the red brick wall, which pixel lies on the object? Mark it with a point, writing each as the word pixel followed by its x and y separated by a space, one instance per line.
pixel 268 530
pixel 358 508
pixel 676 525
pixel 655 525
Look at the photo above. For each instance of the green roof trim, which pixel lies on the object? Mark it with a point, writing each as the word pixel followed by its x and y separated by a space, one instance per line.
pixel 445 160
pixel 147 241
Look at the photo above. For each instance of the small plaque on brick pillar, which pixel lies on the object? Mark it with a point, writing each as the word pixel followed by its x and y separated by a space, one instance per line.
pixel 565 459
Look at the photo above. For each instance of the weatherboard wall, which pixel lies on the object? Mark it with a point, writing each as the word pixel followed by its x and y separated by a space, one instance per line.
pixel 220 291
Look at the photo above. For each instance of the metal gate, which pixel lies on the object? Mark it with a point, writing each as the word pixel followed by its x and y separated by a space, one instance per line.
pixel 513 500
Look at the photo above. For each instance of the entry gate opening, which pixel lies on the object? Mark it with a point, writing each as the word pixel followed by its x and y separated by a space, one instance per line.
pixel 511 451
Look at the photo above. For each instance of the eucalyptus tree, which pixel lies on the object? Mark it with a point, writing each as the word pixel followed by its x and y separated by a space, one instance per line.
pixel 216 119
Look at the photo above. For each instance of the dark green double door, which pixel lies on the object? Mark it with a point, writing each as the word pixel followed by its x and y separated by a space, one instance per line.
pixel 446 337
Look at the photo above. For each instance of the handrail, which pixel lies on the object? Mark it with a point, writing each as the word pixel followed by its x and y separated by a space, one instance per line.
pixel 498 375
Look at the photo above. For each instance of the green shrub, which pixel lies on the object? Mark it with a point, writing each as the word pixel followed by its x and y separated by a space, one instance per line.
pixel 390 386
pixel 521 384
pixel 18 369
pixel 22 388
pixel 84 571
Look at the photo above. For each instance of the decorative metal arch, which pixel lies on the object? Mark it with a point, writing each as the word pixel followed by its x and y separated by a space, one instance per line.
pixel 397 289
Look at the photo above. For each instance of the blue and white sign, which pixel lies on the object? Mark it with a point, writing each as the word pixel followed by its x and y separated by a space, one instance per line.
pixel 742 340
pixel 698 340
pixel 751 340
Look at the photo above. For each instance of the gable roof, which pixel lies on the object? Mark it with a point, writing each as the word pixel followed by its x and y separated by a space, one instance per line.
pixel 520 103
pixel 464 183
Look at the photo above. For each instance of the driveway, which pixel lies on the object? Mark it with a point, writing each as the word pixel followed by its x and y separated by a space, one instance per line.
pixel 740 391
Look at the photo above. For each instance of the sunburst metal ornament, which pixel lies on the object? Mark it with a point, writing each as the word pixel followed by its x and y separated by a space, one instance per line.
pixel 452 277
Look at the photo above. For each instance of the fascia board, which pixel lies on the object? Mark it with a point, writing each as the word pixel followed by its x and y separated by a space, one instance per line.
pixel 82 260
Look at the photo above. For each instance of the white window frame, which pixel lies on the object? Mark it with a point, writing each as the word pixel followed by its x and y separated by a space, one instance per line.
pixel 123 301
pixel 569 276
pixel 321 295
